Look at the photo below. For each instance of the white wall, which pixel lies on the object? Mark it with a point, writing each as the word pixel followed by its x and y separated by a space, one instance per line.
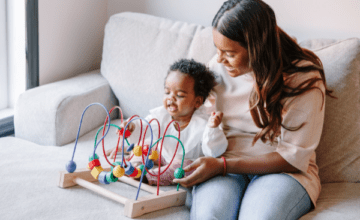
pixel 308 19
pixel 70 37
pixel 303 19
pixel 71 31
pixel 192 11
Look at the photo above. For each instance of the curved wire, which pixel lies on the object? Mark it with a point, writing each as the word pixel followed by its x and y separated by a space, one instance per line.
pixel 82 116
pixel 147 156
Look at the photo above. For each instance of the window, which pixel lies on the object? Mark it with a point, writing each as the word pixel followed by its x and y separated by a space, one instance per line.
pixel 3 57
pixel 19 52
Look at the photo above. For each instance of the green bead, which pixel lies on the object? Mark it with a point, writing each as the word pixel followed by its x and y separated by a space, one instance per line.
pixel 111 178
pixel 141 167
pixel 179 173
pixel 91 157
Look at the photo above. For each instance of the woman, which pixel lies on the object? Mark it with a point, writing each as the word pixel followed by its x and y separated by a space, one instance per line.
pixel 272 94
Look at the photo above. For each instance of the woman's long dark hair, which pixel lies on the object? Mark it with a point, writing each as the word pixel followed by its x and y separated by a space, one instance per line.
pixel 272 53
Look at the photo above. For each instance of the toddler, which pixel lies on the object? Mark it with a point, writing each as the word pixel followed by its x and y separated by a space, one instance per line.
pixel 187 85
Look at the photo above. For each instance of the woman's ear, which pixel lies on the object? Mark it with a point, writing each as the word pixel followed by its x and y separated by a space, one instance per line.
pixel 199 101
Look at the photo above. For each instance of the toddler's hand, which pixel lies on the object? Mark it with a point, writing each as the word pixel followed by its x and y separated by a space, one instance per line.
pixel 215 119
pixel 130 127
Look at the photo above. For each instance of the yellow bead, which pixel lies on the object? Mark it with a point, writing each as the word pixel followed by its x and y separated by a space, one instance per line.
pixel 138 151
pixel 96 171
pixel 118 171
pixel 139 172
pixel 154 155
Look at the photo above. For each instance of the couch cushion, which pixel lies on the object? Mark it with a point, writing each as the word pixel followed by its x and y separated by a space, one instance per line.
pixel 338 154
pixel 137 43
pixel 337 201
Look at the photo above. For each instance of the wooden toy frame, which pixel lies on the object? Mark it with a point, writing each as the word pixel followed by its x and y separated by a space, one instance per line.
pixel 133 208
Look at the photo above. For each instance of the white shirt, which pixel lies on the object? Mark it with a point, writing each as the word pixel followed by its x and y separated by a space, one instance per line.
pixel 198 139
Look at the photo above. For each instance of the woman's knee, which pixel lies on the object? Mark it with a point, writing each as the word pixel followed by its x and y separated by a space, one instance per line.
pixel 218 198
pixel 274 196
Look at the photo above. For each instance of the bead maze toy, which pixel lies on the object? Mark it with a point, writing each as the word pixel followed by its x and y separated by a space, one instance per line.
pixel 123 171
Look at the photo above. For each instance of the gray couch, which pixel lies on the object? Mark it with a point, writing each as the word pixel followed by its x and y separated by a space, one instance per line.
pixel 137 52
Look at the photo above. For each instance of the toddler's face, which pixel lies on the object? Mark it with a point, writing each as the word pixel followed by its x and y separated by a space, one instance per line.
pixel 179 95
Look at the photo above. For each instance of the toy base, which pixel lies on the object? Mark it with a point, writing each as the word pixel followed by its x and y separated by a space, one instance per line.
pixel 133 208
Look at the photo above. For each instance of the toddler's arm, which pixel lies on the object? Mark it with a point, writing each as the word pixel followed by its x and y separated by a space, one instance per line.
pixel 214 140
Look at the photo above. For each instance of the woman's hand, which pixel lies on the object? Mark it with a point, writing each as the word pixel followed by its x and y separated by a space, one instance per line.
pixel 206 168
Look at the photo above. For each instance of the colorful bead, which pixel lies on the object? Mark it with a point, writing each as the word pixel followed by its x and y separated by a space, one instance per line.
pixel 110 177
pixel 91 157
pixel 127 132
pixel 102 178
pixel 129 169
pixel 131 147
pixel 134 173
pixel 96 171
pixel 154 155
pixel 149 164
pixel 94 163
pixel 138 173
pixel 138 151
pixel 141 167
pixel 179 173
pixel 118 171
pixel 115 164
pixel 71 166
pixel 145 150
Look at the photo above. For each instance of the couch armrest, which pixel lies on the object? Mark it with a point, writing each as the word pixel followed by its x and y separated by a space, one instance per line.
pixel 50 114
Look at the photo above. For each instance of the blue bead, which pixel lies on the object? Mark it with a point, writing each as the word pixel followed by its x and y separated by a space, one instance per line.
pixel 102 178
pixel 71 166
pixel 131 147
pixel 129 169
pixel 149 164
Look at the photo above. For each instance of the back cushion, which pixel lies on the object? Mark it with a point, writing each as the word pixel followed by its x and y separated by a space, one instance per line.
pixel 338 154
pixel 138 51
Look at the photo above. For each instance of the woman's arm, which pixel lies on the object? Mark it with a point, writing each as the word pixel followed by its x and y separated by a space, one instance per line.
pixel 208 167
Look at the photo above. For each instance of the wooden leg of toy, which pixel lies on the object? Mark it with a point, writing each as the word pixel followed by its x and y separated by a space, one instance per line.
pixel 67 179
pixel 100 190
pixel 134 208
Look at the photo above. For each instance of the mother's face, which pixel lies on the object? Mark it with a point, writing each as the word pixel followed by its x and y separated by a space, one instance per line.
pixel 231 54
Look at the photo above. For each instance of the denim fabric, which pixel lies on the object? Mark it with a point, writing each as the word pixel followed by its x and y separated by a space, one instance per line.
pixel 258 197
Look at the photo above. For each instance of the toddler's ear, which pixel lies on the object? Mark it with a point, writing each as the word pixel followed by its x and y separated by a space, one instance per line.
pixel 199 101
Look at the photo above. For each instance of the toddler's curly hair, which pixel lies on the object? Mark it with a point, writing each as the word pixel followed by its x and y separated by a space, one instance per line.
pixel 203 77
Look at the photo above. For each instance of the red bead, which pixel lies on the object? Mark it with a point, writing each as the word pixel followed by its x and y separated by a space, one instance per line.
pixel 134 174
pixel 127 133
pixel 94 163
pixel 145 150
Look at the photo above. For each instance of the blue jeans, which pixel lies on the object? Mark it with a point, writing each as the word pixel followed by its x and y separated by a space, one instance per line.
pixel 258 197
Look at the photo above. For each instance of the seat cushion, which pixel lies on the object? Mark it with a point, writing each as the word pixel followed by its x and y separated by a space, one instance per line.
pixel 138 51
pixel 30 178
pixel 338 154
pixel 337 201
